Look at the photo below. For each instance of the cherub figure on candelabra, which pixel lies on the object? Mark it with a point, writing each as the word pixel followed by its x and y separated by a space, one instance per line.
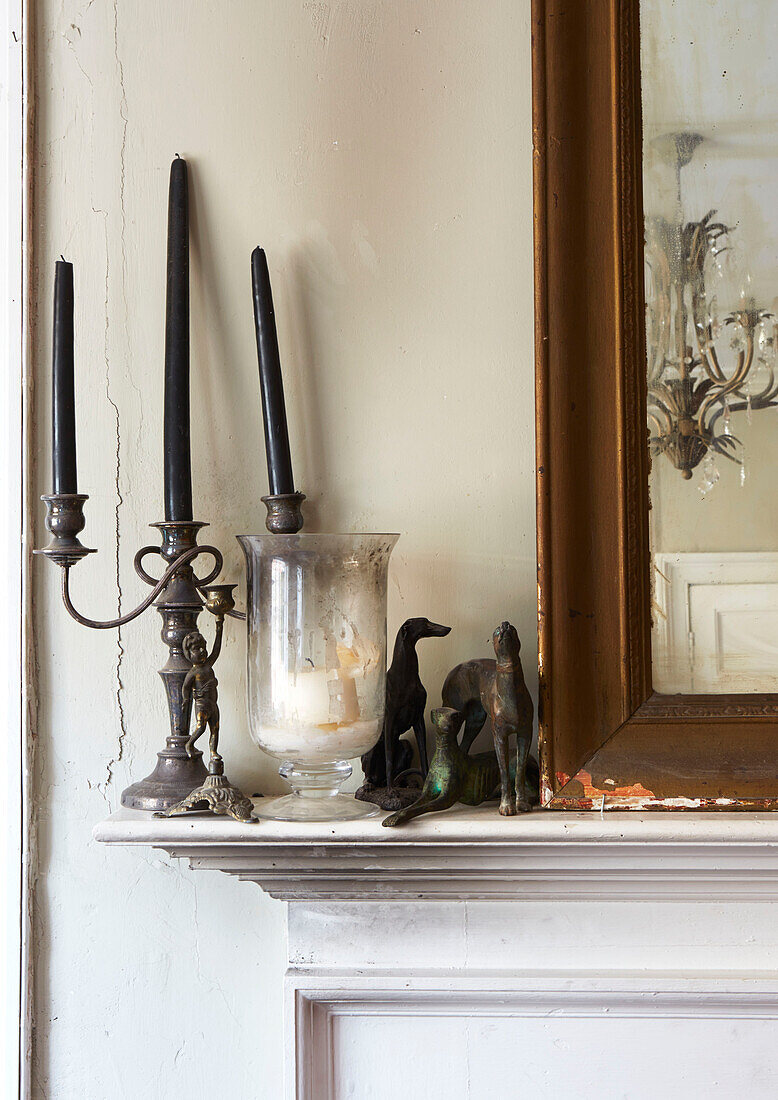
pixel 200 687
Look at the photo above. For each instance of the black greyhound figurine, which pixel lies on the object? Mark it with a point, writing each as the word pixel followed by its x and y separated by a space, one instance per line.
pixel 406 701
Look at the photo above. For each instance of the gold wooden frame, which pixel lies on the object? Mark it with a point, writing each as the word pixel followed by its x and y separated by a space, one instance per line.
pixel 605 736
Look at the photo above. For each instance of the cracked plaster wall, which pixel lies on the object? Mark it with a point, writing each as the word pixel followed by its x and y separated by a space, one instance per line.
pixel 381 154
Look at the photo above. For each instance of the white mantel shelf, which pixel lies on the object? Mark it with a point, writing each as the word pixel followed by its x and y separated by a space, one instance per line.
pixel 476 855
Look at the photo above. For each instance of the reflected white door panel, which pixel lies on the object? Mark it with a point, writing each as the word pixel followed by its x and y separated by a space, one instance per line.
pixel 716 622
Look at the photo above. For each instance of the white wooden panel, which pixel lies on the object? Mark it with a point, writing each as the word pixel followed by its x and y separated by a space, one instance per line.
pixel 507 1039
pixel 428 999
pixel 541 938
pixel 610 1059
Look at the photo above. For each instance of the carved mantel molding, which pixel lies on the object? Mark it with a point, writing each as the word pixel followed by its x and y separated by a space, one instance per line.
pixel 475 855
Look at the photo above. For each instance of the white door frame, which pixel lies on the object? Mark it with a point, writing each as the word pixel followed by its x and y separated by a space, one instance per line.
pixel 15 1027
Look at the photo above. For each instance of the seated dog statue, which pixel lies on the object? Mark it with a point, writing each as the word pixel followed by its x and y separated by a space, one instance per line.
pixel 406 700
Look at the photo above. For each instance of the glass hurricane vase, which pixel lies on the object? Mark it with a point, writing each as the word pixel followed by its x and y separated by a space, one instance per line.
pixel 316 617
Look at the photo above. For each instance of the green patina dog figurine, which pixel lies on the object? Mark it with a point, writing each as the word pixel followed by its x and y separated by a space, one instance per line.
pixel 456 777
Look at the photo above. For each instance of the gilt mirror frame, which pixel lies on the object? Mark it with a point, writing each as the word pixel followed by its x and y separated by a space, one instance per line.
pixel 606 738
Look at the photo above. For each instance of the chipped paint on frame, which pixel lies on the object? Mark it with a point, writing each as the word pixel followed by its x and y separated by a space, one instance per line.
pixel 637 797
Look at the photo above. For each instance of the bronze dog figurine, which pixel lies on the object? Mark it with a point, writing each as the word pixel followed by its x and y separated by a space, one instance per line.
pixel 406 700
pixel 484 689
pixel 456 777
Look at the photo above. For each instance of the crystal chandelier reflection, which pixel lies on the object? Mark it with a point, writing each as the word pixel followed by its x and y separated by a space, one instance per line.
pixel 705 361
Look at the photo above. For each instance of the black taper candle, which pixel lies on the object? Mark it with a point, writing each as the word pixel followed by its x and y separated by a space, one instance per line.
pixel 279 459
pixel 178 462
pixel 63 411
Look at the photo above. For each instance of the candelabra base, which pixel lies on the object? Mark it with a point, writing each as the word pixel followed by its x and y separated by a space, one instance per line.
pixel 174 778
pixel 216 796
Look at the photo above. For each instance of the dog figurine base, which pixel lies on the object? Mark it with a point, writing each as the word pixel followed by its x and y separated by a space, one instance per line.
pixel 456 777
pixel 392 798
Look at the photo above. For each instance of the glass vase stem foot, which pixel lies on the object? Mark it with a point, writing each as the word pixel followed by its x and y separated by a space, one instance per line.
pixel 316 795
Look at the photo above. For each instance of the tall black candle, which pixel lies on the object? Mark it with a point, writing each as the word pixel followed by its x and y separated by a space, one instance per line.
pixel 63 418
pixel 279 459
pixel 178 463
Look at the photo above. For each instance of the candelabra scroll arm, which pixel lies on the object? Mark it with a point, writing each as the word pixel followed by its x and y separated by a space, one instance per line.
pixel 159 586
pixel 200 585
pixel 182 559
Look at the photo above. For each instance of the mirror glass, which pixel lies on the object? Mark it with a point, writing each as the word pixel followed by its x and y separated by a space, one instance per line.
pixel 709 71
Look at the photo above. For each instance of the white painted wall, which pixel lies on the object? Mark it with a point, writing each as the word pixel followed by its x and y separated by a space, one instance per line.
pixel 380 151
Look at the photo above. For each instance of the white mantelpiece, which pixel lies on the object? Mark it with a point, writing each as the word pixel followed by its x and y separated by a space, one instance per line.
pixel 641 962
pixel 472 855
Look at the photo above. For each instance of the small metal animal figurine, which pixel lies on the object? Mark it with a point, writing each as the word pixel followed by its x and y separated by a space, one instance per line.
pixel 484 689
pixel 453 775
pixel 456 777
pixel 216 794
pixel 406 700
